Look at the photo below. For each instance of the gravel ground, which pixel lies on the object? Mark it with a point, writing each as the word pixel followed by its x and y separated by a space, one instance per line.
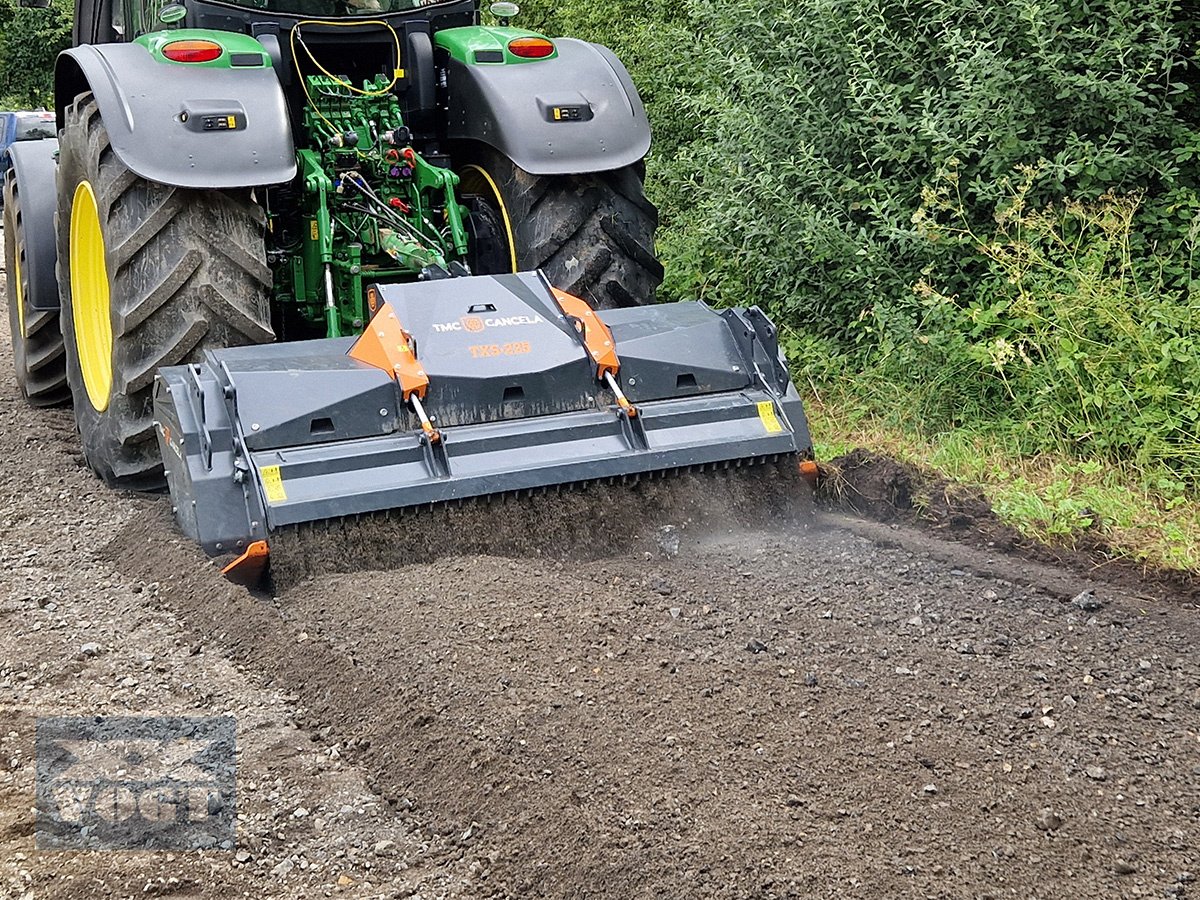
pixel 832 709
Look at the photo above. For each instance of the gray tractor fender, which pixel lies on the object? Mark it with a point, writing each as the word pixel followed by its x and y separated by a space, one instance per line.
pixel 600 122
pixel 34 164
pixel 156 116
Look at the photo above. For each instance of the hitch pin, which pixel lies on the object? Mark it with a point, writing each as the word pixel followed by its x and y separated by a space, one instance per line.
pixel 330 301
pixel 622 401
pixel 426 425
pixel 331 312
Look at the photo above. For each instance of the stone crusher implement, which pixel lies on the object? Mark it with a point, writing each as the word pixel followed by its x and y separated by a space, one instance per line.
pixel 465 387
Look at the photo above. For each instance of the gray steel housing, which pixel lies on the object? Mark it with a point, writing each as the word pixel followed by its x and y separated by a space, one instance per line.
pixel 258 438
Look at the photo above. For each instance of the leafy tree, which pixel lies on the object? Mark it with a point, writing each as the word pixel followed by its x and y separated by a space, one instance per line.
pixel 30 39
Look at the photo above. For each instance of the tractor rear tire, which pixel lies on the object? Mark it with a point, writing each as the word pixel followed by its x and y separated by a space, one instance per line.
pixel 592 234
pixel 37 343
pixel 149 275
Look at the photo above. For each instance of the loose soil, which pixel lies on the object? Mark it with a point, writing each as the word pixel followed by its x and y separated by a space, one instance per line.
pixel 825 707
pixel 876 486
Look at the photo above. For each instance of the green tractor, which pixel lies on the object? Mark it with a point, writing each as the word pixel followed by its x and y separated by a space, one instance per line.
pixel 307 260
pixel 239 172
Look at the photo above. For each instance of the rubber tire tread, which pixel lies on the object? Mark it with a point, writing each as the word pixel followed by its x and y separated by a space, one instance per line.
pixel 187 273
pixel 592 234
pixel 39 356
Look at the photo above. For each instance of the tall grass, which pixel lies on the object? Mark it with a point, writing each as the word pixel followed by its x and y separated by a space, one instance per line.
pixel 1071 338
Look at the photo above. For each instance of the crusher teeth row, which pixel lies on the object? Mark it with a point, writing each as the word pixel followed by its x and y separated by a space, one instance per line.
pixel 643 513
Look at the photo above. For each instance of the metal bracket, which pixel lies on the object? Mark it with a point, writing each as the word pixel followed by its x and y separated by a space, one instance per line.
pixel 197 398
pixel 768 339
pixel 436 458
pixel 634 430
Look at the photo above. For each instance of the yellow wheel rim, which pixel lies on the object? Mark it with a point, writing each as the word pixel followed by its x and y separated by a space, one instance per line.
pixel 19 296
pixel 90 307
pixel 495 191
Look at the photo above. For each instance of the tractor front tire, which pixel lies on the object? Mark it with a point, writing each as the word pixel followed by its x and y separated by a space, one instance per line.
pixel 592 234
pixel 149 275
pixel 37 343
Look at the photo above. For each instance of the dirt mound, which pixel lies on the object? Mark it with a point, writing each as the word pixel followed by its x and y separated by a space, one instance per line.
pixel 880 487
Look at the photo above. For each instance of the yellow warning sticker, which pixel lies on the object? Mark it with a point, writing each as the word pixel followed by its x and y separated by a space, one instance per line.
pixel 766 412
pixel 314 231
pixel 272 483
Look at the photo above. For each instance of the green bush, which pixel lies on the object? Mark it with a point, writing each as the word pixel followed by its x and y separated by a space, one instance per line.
pixel 836 113
pixel 796 148
pixel 1068 338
